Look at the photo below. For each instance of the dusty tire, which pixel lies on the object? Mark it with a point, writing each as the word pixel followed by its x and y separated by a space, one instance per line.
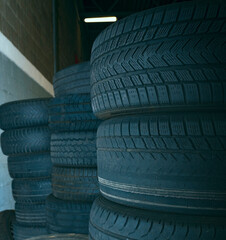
pixel 67 216
pixel 78 184
pixel 72 80
pixel 31 214
pixel 173 162
pixel 75 149
pixel 23 232
pixel 30 166
pixel 25 140
pixel 110 221
pixel 167 57
pixel 25 113
pixel 32 191
pixel 72 113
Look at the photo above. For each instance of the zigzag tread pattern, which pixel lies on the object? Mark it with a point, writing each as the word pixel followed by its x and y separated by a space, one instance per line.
pixel 24 113
pixel 157 70
pixel 25 140
pixel 73 149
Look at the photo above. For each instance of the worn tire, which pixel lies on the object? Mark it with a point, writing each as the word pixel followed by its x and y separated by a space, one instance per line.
pixel 72 113
pixel 75 149
pixel 30 165
pixel 32 191
pixel 111 221
pixel 78 184
pixel 31 214
pixel 72 80
pixel 173 162
pixel 71 236
pixel 25 113
pixel 24 232
pixel 162 58
pixel 25 140
pixel 67 216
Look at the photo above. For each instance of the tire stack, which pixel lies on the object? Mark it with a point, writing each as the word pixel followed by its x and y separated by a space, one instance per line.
pixel 158 79
pixel 73 152
pixel 26 142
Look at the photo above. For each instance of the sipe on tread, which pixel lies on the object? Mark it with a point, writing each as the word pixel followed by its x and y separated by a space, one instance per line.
pixel 162 58
pixel 173 162
pixel 109 220
pixel 25 113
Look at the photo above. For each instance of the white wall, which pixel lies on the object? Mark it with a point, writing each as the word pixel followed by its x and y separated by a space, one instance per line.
pixel 19 79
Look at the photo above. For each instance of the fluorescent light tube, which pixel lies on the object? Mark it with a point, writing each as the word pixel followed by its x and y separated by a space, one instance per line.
pixel 100 19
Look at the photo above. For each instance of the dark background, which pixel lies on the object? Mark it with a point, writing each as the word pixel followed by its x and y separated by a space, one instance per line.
pixel 28 25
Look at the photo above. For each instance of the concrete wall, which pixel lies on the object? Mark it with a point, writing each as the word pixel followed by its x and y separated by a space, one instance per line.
pixel 19 79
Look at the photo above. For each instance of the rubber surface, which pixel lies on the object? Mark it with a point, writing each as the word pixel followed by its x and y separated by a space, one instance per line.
pixel 31 190
pixel 72 80
pixel 6 219
pixel 23 232
pixel 67 216
pixel 25 113
pixel 72 113
pixel 173 162
pixel 76 149
pixel 79 184
pixel 31 214
pixel 30 166
pixel 167 57
pixel 25 140
pixel 110 221
pixel 62 237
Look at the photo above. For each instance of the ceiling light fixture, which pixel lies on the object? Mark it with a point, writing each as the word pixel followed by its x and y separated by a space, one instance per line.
pixel 100 19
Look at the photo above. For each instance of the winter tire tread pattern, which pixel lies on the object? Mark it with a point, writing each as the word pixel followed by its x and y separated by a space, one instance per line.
pixel 170 57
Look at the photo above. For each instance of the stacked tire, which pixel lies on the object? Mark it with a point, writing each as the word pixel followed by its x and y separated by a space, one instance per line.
pixel 26 142
pixel 73 152
pixel 158 79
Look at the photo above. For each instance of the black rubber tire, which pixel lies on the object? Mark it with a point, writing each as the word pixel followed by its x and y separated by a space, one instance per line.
pixel 67 216
pixel 6 219
pixel 72 113
pixel 78 184
pixel 71 236
pixel 167 57
pixel 75 149
pixel 31 214
pixel 25 140
pixel 24 232
pixel 111 221
pixel 72 80
pixel 30 166
pixel 25 113
pixel 31 190
pixel 173 162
